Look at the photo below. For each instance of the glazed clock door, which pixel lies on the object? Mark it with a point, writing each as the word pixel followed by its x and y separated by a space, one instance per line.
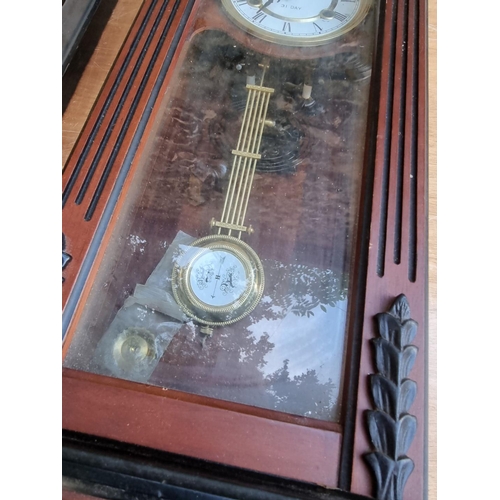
pixel 240 225
pixel 223 268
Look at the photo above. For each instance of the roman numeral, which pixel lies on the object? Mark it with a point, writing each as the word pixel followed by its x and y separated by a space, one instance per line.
pixel 340 17
pixel 317 28
pixel 287 27
pixel 259 17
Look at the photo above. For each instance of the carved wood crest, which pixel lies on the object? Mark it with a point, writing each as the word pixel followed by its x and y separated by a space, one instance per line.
pixel 390 425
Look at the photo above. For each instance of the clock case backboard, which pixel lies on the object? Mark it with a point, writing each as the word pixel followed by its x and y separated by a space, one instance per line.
pixel 390 259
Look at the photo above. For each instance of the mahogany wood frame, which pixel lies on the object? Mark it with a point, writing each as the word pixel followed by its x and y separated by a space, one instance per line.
pixel 391 259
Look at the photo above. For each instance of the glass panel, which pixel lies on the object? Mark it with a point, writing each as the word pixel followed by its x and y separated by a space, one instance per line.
pixel 228 271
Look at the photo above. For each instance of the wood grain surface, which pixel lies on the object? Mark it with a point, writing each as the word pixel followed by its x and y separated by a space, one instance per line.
pixel 432 207
pixel 88 83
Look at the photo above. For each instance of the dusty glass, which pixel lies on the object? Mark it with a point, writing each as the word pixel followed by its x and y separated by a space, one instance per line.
pixel 270 321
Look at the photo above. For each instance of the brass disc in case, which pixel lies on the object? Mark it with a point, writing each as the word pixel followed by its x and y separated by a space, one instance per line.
pixel 134 348
pixel 218 280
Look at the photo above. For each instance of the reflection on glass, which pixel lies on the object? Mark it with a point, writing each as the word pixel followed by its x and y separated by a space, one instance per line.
pixel 287 354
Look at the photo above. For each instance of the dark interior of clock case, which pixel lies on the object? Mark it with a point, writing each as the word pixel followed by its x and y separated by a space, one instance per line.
pixel 286 354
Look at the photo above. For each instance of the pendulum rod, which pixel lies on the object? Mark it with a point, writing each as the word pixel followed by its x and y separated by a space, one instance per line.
pixel 245 160
pixel 242 158
pixel 236 166
pixel 248 180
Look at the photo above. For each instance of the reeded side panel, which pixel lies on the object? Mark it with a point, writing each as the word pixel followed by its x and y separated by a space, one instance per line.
pixel 101 158
pixel 397 253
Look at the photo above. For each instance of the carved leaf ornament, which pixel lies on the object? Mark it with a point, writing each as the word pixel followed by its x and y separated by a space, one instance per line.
pixel 390 425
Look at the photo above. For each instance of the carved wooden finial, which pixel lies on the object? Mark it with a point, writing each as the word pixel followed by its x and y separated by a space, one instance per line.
pixel 390 426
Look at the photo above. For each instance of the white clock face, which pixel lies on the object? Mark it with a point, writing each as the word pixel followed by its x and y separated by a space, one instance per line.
pixel 297 22
pixel 218 278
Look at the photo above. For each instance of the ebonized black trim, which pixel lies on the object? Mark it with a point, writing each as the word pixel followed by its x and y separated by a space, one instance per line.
pixel 412 257
pixel 389 91
pixel 398 226
pixel 358 299
pixel 128 471
pixel 408 104
pixel 390 426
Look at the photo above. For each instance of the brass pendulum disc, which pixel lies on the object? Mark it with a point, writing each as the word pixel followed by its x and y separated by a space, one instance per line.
pixel 134 348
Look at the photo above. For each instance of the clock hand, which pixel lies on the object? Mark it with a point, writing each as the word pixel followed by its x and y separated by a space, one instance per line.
pixel 329 13
pixel 267 4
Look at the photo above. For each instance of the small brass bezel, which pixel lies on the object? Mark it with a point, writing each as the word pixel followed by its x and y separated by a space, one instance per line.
pixel 218 315
pixel 148 343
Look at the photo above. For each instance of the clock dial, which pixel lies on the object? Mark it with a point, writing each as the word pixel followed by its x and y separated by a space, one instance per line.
pixel 297 22
pixel 218 278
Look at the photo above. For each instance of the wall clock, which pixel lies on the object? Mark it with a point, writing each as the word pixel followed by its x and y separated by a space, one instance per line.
pixel 244 247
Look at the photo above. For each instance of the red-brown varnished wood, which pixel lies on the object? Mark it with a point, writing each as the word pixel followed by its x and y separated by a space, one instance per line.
pixel 220 432
pixel 381 290
pixel 133 388
pixel 73 495
pixel 126 412
pixel 73 222
pixel 78 231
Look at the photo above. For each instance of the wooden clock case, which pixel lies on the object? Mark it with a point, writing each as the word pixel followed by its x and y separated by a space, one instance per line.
pixel 117 427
